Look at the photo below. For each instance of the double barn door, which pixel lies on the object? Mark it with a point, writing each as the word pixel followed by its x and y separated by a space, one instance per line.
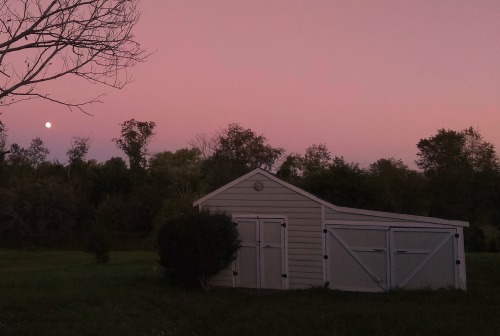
pixel 260 262
pixel 381 258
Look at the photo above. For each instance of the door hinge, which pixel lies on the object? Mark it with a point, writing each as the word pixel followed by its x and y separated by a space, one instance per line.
pixel 325 256
pixel 325 231
pixel 283 224
pixel 457 235
pixel 235 273
pixel 235 223
pixel 284 275
pixel 457 262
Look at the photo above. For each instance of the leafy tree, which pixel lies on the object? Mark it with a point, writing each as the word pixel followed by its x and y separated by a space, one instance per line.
pixel 246 147
pixel 78 150
pixel 177 178
pixel 77 170
pixel 112 178
pixel 464 180
pixel 197 245
pixel 42 213
pixel 480 154
pixel 3 140
pixel 443 152
pixel 46 40
pixel 461 168
pixel 291 168
pixel 110 213
pixel 37 152
pixel 218 171
pixel 450 150
pixel 132 213
pixel 180 171
pixel 25 161
pixel 134 141
pixel 316 158
pixel 343 183
pixel 3 151
pixel 397 188
pixel 18 155
pixel 234 152
pixel 445 163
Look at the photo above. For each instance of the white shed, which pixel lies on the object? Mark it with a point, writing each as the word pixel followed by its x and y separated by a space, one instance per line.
pixel 293 239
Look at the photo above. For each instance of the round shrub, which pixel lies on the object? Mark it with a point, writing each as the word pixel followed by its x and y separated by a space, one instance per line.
pixel 197 245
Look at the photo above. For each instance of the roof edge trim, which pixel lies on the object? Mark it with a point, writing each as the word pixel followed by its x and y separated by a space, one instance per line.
pixel 336 208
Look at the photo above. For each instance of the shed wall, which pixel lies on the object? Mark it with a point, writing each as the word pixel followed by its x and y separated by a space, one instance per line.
pixel 306 216
pixel 304 226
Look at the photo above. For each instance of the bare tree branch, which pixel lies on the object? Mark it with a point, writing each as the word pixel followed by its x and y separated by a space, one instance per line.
pixel 43 40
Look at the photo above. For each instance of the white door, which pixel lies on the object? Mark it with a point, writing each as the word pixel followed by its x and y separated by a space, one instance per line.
pixel 357 258
pixel 379 258
pixel 260 261
pixel 423 258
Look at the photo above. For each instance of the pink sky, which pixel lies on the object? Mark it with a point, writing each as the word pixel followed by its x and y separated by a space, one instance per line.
pixel 367 78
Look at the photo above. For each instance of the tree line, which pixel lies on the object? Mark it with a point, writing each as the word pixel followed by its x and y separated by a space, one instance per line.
pixel 60 205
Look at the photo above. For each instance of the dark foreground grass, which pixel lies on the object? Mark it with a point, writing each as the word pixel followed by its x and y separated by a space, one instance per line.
pixel 64 293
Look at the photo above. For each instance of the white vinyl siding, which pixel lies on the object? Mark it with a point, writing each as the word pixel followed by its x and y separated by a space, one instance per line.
pixel 306 217
pixel 304 225
pixel 331 214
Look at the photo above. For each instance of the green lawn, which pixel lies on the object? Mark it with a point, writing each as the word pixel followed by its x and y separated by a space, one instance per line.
pixel 64 293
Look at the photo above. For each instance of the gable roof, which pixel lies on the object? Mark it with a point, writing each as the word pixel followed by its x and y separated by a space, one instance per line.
pixel 336 208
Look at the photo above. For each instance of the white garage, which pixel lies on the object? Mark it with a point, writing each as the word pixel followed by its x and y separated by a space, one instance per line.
pixel 293 239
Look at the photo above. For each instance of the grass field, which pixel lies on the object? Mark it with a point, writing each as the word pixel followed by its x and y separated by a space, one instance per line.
pixel 64 293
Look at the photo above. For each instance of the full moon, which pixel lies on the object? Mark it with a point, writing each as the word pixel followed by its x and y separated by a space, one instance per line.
pixel 48 124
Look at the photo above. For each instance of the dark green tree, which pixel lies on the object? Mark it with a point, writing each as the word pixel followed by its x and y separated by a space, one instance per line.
pixel 42 214
pixel 460 166
pixel 3 152
pixel 77 166
pixel 316 158
pixel 180 172
pixel 291 169
pixel 233 152
pixel 343 183
pixel 195 246
pixel 464 179
pixel 113 178
pixel 33 156
pixel 3 140
pixel 134 141
pixel 78 150
pixel 246 147
pixel 396 188
pixel 24 162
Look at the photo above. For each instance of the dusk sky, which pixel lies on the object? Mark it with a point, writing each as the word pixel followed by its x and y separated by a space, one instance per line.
pixel 367 78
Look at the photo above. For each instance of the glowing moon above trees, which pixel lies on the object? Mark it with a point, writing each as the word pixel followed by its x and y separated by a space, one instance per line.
pixel 48 124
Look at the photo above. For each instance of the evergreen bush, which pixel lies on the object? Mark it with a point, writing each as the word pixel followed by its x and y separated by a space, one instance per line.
pixel 197 245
